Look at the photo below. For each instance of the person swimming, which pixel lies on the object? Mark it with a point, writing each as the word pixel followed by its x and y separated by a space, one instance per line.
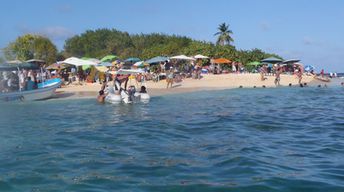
pixel 143 89
pixel 101 96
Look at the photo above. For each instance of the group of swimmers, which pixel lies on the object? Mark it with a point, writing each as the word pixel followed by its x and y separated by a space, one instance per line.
pixel 118 80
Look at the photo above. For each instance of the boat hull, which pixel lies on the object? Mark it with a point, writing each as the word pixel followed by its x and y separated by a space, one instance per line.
pixel 32 95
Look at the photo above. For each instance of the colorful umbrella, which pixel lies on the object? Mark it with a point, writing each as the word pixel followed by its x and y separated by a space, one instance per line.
pixel 132 60
pixel 271 60
pixel 183 57
pixel 201 57
pixel 109 58
pixel 254 63
pixel 221 61
pixel 157 59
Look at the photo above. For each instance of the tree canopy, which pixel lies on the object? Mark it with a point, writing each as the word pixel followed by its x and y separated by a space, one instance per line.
pixel 31 46
pixel 224 35
pixel 101 42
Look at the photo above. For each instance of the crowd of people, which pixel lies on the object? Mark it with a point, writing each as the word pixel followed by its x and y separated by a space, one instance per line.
pixel 22 80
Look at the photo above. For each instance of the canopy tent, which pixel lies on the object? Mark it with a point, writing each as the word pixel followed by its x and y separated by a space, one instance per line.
pixel 132 60
pixel 183 57
pixel 16 66
pixel 109 58
pixel 291 61
pixel 221 61
pixel 201 57
pixel 127 71
pixel 78 62
pixel 271 60
pixel 157 59
pixel 254 63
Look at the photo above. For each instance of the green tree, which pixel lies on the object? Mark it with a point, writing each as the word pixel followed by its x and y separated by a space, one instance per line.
pixel 224 35
pixel 31 47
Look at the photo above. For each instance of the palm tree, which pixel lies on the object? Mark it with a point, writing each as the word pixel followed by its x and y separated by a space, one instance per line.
pixel 224 35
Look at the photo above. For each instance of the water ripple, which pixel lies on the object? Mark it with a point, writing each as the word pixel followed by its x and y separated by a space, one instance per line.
pixel 240 140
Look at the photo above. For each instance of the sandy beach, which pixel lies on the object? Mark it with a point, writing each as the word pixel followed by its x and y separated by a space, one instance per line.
pixel 208 82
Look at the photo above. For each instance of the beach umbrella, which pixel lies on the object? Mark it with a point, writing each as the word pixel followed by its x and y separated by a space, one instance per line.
pixel 55 66
pixel 132 60
pixel 183 57
pixel 105 64
pixel 201 57
pixel 157 59
pixel 14 62
pixel 309 68
pixel 271 60
pixel 109 58
pixel 94 60
pixel 85 67
pixel 221 61
pixel 254 63
pixel 139 64
pixel 35 61
pixel 291 61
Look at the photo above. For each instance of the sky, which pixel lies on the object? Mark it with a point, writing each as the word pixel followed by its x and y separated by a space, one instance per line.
pixel 310 30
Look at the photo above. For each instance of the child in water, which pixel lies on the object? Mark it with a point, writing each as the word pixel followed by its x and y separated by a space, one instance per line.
pixel 101 96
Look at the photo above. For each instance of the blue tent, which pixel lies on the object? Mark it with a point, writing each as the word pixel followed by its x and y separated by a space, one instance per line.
pixel 156 60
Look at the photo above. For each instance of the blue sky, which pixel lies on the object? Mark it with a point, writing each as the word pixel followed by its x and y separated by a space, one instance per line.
pixel 311 30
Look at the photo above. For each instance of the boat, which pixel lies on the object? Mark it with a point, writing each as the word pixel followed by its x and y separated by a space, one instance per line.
pixel 45 90
pixel 32 95
pixel 116 95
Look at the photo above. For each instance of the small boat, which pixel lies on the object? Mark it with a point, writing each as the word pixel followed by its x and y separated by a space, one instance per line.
pixel 118 95
pixel 324 79
pixel 44 90
pixel 32 95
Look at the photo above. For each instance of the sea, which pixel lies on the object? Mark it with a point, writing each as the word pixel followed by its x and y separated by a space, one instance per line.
pixel 278 139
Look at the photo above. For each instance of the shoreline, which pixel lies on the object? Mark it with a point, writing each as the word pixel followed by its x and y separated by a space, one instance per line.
pixel 207 83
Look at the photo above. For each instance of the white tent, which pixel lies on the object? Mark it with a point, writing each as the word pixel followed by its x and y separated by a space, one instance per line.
pixel 201 57
pixel 182 57
pixel 78 62
pixel 127 71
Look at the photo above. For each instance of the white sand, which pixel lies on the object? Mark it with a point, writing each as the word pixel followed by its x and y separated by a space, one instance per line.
pixel 208 82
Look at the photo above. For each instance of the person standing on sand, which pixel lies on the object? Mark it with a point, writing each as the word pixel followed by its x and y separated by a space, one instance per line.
pixel 299 75
pixel 278 76
pixel 262 72
pixel 169 78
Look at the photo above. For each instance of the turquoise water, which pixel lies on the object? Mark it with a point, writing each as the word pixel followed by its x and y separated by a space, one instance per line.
pixel 289 139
